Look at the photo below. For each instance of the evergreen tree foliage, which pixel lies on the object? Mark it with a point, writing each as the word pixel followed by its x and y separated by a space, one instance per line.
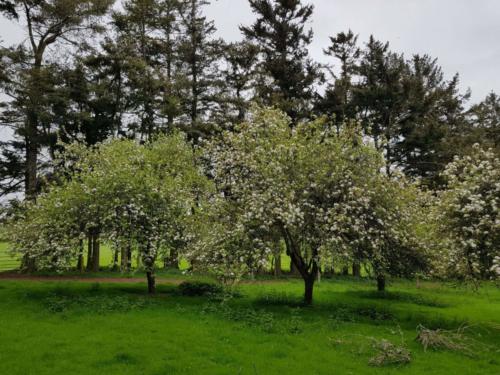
pixel 337 102
pixel 30 80
pixel 288 74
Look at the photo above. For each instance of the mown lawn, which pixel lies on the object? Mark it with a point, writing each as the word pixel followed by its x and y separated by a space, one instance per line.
pixel 84 328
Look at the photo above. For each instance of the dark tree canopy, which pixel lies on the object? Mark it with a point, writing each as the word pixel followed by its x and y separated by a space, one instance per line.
pixel 337 101
pixel 159 67
pixel 8 8
pixel 485 120
pixel 239 77
pixel 31 79
pixel 406 105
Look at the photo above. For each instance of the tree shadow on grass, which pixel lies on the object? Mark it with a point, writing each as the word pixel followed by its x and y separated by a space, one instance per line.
pixel 407 310
pixel 268 309
pixel 401 297
pixel 93 298
pixel 120 358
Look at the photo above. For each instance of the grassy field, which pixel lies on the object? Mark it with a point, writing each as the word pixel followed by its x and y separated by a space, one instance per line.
pixel 7 262
pixel 88 328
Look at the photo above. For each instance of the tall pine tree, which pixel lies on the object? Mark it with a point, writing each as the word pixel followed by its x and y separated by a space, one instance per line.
pixel 408 108
pixel 30 77
pixel 289 75
pixel 484 119
pixel 199 54
pixel 237 83
pixel 337 101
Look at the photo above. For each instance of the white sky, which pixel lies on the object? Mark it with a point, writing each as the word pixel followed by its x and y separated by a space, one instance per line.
pixel 462 34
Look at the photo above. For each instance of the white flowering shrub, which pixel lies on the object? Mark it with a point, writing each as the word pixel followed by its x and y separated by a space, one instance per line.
pixel 468 217
pixel 323 194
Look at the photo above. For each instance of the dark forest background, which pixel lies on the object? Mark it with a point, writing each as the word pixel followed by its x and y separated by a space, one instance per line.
pixel 87 72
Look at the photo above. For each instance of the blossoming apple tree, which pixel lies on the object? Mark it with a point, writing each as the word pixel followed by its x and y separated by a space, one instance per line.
pixel 133 196
pixel 321 193
pixel 468 217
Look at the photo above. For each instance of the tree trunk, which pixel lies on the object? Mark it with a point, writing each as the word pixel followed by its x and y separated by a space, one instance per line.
pixel 261 271
pixel 309 287
pixel 31 135
pixel 126 261
pixel 332 269
pixel 194 67
pixel 116 257
pixel 80 265
pixel 294 271
pixel 356 269
pixel 129 257
pixel 170 116
pixel 30 173
pixel 123 259
pixel 90 253
pixel 96 250
pixel 277 264
pixel 309 272
pixel 345 271
pixel 173 260
pixel 241 110
pixel 31 160
pixel 388 156
pixel 381 283
pixel 28 264
pixel 151 282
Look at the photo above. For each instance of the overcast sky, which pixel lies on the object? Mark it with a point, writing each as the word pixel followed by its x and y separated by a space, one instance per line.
pixel 463 34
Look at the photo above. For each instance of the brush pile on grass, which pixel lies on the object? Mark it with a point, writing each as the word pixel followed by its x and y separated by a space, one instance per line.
pixel 440 339
pixel 389 354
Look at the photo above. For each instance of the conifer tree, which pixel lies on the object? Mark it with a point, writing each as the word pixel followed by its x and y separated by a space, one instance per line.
pixel 485 122
pixel 337 102
pixel 136 30
pixel 408 108
pixel 289 74
pixel 30 77
pixel 238 79
pixel 199 53
pixel 435 113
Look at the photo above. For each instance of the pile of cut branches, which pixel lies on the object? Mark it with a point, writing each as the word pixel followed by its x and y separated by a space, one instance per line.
pixel 440 339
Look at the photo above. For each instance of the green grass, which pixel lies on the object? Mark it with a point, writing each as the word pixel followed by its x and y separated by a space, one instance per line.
pixel 7 262
pixel 82 328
